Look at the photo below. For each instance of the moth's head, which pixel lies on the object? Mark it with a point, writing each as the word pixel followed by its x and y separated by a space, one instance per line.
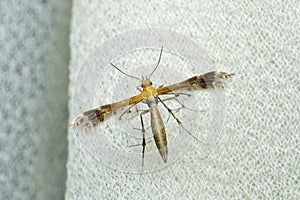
pixel 146 82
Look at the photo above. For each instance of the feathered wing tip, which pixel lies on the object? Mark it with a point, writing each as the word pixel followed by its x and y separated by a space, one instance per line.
pixel 92 117
pixel 225 75
pixel 209 80
pixel 78 120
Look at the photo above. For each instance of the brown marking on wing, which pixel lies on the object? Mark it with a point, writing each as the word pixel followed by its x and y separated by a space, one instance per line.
pixel 97 115
pixel 209 80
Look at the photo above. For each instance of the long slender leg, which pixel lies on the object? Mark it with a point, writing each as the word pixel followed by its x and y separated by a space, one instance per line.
pixel 170 111
pixel 177 109
pixel 177 94
pixel 128 109
pixel 176 99
pixel 178 121
pixel 139 89
pixel 135 145
pixel 143 132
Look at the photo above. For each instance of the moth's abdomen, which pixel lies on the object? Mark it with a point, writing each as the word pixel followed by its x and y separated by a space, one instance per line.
pixel 159 132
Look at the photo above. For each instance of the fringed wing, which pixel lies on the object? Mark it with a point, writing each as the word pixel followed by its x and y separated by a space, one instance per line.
pixel 209 80
pixel 97 115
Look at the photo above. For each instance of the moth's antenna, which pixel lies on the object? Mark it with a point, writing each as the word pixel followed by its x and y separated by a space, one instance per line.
pixel 157 62
pixel 125 73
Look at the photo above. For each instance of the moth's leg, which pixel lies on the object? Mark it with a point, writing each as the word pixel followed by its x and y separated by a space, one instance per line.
pixel 127 110
pixel 177 94
pixel 175 99
pixel 170 111
pixel 139 144
pixel 182 105
pixel 176 109
pixel 144 138
pixel 178 121
pixel 143 130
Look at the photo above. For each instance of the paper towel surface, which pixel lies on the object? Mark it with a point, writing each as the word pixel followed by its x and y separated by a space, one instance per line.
pixel 257 155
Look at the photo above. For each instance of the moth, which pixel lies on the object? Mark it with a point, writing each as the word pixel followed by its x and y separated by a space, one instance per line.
pixel 150 95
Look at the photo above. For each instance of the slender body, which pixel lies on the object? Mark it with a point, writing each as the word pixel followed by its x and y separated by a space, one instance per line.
pixel 158 128
pixel 157 124
pixel 150 95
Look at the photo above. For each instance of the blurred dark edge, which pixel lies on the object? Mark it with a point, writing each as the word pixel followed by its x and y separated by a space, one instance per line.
pixel 34 78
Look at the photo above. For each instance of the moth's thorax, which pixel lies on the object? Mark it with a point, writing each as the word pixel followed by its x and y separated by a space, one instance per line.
pixel 149 92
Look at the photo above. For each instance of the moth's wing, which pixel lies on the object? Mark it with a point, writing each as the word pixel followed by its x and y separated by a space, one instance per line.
pixel 182 90
pixel 188 109
pixel 209 80
pixel 97 115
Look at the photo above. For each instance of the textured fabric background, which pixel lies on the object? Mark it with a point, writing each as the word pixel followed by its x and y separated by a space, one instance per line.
pixel 34 57
pixel 257 156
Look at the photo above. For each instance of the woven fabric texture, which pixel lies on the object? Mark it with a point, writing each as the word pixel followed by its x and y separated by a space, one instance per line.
pixel 257 155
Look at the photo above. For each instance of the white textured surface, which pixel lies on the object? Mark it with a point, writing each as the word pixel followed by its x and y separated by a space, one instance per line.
pixel 33 98
pixel 257 156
